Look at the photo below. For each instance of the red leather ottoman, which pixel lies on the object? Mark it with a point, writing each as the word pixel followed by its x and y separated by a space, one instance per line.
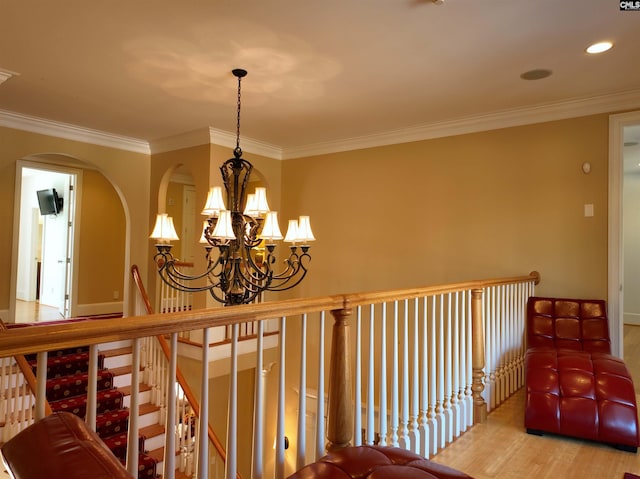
pixel 376 462
pixel 574 386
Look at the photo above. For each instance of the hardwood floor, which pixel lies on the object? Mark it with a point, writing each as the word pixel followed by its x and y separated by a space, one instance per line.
pixel 33 311
pixel 501 448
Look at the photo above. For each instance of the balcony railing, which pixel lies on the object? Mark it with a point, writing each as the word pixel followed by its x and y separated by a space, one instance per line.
pixel 413 368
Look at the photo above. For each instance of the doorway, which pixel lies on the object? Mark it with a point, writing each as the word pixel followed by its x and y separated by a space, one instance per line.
pixel 44 240
pixel 622 128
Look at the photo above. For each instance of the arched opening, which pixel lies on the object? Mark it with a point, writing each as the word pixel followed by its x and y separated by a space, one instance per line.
pixel 68 263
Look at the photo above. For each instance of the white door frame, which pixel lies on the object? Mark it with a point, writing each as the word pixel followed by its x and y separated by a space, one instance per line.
pixel 617 123
pixel 45 166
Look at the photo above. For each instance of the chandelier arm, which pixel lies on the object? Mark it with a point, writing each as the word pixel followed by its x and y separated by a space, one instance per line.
pixel 173 283
pixel 253 281
pixel 174 272
pixel 296 270
pixel 293 265
pixel 284 285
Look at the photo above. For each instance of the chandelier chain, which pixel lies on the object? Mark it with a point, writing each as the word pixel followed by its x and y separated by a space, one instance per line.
pixel 238 121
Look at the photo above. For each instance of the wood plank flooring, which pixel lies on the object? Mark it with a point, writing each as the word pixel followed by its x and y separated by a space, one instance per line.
pixel 501 449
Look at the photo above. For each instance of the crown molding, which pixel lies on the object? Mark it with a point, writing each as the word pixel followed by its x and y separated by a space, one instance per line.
pixel 204 136
pixel 503 119
pixel 71 132
pixel 492 121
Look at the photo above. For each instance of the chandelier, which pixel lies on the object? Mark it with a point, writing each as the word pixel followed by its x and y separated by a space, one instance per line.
pixel 239 241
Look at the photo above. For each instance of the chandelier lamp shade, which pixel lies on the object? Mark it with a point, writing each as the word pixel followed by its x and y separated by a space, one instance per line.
pixel 239 236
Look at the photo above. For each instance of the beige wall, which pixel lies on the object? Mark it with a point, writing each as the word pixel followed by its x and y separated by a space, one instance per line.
pixel 102 224
pixel 490 204
pixel 127 172
pixel 495 203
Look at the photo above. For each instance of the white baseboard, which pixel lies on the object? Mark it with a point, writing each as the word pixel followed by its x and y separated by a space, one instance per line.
pixel 98 308
pixel 632 318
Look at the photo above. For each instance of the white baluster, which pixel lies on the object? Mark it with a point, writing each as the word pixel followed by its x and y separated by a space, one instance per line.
pixel 258 412
pixel 320 426
pixel 492 351
pixel 393 430
pixel 403 430
pixel 448 366
pixel 202 444
pixel 41 385
pixel 512 339
pixel 455 371
pixel 132 437
pixel 92 387
pixel 371 379
pixel 357 418
pixel 170 434
pixel 383 377
pixel 501 376
pixel 414 428
pixel 232 418
pixel 424 383
pixel 468 391
pixel 440 365
pixel 434 430
pixel 23 406
pixel 302 396
pixel 280 432
pixel 464 412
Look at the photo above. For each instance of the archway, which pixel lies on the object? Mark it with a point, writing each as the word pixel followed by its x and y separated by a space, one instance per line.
pixel 94 261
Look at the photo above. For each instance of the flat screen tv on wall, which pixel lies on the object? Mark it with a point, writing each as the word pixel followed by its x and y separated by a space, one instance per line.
pixel 49 202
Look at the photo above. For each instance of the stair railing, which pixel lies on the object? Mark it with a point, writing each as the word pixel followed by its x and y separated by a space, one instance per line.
pixel 18 384
pixel 418 391
pixel 155 353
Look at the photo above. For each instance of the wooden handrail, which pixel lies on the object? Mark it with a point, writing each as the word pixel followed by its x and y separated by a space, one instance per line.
pixel 191 397
pixel 27 372
pixel 29 340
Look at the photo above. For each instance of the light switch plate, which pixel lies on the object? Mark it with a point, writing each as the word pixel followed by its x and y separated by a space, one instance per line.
pixel 588 210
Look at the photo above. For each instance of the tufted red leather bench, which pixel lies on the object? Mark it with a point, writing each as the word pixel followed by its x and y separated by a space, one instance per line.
pixel 575 387
pixel 376 462
pixel 60 446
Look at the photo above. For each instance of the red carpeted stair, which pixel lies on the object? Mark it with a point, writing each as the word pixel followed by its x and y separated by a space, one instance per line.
pixel 67 380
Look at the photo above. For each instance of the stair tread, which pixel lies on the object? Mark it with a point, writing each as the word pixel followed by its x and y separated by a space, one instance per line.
pixel 147 408
pixel 152 431
pixel 110 353
pixel 121 371
pixel 158 454
pixel 126 390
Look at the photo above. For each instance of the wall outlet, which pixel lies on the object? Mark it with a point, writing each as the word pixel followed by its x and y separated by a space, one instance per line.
pixel 116 294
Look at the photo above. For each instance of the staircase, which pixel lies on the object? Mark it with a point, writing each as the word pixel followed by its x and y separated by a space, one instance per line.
pixel 67 380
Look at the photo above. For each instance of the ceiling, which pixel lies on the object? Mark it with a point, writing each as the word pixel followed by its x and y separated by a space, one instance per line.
pixel 320 72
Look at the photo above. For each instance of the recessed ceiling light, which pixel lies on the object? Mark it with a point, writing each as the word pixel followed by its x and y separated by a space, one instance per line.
pixel 536 74
pixel 599 47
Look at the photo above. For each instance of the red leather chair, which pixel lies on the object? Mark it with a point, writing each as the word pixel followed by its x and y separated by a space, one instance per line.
pixel 575 387
pixel 60 446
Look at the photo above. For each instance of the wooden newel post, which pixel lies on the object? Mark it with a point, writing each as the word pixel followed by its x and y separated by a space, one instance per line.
pixel 340 409
pixel 477 320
